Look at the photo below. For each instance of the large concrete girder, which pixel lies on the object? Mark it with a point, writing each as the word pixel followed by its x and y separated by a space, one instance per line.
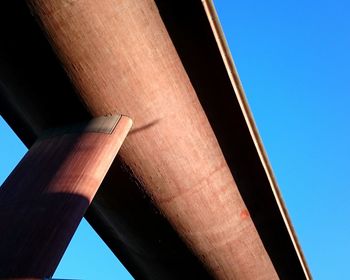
pixel 120 58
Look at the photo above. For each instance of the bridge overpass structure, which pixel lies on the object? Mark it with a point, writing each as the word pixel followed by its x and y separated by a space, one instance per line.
pixel 135 117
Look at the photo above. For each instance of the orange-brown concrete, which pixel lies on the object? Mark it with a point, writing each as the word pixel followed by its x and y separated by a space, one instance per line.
pixel 120 58
pixel 46 196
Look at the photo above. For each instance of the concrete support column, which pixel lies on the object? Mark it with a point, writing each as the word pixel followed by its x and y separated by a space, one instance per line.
pixel 44 199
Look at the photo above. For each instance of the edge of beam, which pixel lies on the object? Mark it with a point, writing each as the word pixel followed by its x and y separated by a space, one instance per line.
pixel 253 130
pixel 103 124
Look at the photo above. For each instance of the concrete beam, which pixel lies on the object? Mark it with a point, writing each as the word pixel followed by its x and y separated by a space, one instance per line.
pixel 119 57
pixel 44 199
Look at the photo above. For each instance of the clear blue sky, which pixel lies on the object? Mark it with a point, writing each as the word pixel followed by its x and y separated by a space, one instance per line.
pixel 293 58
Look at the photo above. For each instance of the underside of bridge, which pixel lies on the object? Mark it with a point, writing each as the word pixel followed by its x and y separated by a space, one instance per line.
pixel 191 194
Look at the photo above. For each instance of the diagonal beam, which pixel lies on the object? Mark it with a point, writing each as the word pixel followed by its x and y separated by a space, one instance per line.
pixel 44 199
pixel 119 56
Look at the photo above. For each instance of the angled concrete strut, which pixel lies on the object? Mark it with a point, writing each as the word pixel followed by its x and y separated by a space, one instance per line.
pixel 44 199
